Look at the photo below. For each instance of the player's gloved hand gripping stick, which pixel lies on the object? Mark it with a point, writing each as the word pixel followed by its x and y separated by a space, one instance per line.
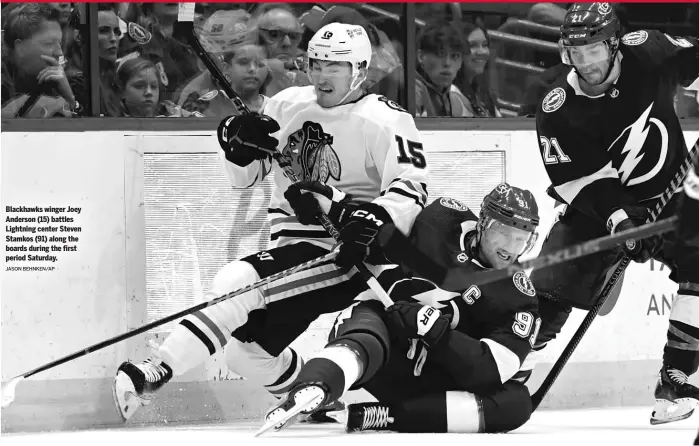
pixel 185 26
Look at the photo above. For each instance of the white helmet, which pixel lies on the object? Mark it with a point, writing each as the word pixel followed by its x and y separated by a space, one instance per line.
pixel 340 42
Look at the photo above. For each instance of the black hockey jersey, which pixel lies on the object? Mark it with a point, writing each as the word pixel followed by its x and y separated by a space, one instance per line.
pixel 625 146
pixel 494 325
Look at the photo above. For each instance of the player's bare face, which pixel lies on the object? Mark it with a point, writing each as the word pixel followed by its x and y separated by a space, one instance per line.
pixel 592 61
pixel 501 244
pixel 331 81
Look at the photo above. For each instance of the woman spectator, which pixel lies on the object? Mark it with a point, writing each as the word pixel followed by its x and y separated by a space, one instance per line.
pixel 108 36
pixel 229 37
pixel 138 88
pixel 473 81
pixel 440 52
pixel 281 33
pixel 34 83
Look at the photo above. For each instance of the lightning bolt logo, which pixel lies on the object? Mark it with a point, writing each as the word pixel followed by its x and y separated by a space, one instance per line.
pixel 638 133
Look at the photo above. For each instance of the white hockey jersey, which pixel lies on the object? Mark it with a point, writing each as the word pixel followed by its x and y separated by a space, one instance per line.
pixel 370 149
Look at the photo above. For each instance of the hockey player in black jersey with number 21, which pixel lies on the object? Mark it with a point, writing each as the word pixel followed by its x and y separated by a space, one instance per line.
pixel 611 144
pixel 443 358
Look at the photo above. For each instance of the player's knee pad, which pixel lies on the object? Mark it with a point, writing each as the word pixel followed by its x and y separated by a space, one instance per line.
pixel 361 328
pixel 251 361
pixel 232 314
pixel 507 409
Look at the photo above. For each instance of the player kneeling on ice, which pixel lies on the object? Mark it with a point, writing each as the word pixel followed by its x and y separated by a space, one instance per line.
pixel 333 132
pixel 439 359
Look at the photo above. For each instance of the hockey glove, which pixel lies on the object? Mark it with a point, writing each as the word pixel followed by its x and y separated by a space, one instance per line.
pixel 422 325
pixel 688 210
pixel 628 217
pixel 359 236
pixel 309 198
pixel 246 138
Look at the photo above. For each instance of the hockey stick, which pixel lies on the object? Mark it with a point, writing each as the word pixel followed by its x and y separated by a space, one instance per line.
pixel 185 27
pixel 396 245
pixel 545 386
pixel 8 389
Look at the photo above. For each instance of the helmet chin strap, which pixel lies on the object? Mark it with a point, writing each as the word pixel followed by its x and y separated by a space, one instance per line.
pixel 357 80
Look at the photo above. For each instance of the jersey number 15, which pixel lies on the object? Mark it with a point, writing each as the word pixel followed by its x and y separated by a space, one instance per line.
pixel 414 155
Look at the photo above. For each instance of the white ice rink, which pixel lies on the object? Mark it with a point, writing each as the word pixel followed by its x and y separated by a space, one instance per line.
pixel 594 427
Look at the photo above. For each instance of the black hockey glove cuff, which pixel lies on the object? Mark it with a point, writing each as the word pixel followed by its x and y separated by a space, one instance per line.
pixel 629 217
pixel 309 198
pixel 359 236
pixel 246 138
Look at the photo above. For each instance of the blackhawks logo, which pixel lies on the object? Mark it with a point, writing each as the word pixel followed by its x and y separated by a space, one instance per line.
pixel 310 152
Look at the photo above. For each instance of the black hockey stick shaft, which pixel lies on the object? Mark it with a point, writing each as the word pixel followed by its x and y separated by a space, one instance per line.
pixel 129 334
pixel 185 26
pixel 558 366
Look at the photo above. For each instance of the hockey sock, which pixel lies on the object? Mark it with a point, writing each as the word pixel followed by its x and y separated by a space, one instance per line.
pixel 682 348
pixel 290 364
pixel 338 367
pixel 182 350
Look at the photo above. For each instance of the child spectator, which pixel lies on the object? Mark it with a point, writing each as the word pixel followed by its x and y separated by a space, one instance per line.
pixel 440 52
pixel 231 39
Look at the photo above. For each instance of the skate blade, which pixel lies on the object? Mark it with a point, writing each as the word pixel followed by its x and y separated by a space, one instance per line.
pixel 669 412
pixel 339 416
pixel 126 400
pixel 302 402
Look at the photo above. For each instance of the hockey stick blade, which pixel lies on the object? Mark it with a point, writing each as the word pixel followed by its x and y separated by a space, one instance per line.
pixel 8 390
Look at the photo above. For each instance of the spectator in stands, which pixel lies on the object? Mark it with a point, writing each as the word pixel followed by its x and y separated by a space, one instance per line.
pixel 108 36
pixel 440 52
pixel 64 11
pixel 34 83
pixel 174 59
pixel 231 38
pixel 474 79
pixel 281 32
pixel 138 86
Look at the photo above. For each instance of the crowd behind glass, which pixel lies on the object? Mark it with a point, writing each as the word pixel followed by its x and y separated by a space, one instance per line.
pixel 472 60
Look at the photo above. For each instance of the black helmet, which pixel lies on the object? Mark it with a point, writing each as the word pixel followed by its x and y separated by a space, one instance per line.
pixel 587 23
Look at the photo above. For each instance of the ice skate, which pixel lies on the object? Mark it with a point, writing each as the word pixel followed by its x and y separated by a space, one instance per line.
pixel 135 384
pixel 675 398
pixel 368 417
pixel 302 399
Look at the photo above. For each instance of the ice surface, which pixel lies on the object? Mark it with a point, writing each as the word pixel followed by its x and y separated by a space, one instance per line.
pixel 593 427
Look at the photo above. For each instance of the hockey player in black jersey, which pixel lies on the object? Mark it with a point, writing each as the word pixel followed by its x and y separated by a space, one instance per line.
pixel 611 143
pixel 688 212
pixel 438 360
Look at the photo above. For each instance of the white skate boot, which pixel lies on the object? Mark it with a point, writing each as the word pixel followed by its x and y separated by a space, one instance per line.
pixel 302 399
pixel 675 398
pixel 135 384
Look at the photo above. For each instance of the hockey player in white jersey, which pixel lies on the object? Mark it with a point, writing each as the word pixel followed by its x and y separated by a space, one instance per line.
pixel 333 133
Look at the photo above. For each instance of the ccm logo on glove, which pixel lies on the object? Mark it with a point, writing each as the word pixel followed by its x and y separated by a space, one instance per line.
pixel 360 213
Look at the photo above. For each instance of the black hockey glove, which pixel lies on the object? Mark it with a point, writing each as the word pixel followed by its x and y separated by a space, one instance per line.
pixel 688 210
pixel 246 138
pixel 359 236
pixel 420 325
pixel 309 198
pixel 629 217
